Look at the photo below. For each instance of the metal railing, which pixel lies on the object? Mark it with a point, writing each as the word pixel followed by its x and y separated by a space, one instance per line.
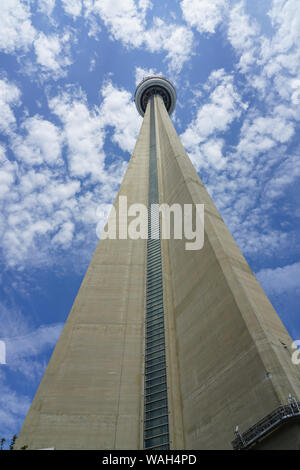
pixel 269 423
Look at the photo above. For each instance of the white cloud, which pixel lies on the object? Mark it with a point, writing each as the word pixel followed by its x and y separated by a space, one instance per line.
pixel 257 169
pixel 92 65
pixel 18 33
pixel 48 202
pixel 285 17
pixel 260 134
pixel 223 106
pixel 271 59
pixel 52 53
pixel 126 21
pixel 7 173
pixel 118 110
pixel 95 29
pixel 42 143
pixel 65 235
pixel 25 347
pixel 85 129
pixel 46 6
pixel 141 73
pixel 19 348
pixel 9 97
pixel 280 280
pixel 241 29
pixel 16 30
pixel 245 179
pixel 212 152
pixel 13 408
pixel 177 41
pixel 284 176
pixel 33 212
pixel 84 136
pixel 145 5
pixel 72 7
pixel 205 15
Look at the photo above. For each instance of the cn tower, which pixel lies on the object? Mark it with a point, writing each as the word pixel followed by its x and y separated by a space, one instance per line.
pixel 164 347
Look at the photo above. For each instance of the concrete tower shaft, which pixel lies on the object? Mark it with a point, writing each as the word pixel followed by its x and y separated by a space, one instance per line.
pixel 165 347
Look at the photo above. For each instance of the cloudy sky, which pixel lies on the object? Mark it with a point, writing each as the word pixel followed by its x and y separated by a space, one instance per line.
pixel 68 71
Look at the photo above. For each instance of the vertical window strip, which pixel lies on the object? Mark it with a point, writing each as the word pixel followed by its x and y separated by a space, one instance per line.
pixel 158 436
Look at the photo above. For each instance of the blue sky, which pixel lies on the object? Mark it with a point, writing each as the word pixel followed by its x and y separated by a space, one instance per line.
pixel 68 72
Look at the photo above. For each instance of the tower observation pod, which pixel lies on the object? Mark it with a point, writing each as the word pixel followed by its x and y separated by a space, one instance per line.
pixel 167 347
pixel 151 86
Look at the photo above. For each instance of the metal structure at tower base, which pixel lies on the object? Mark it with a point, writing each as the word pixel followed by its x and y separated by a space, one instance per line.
pixel 166 347
pixel 258 434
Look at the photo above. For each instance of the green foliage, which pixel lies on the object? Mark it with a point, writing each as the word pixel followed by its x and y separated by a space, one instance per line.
pixel 12 443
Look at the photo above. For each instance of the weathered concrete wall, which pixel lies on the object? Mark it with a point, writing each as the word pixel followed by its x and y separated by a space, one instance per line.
pixel 233 369
pixel 285 438
pixel 90 395
pixel 176 431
